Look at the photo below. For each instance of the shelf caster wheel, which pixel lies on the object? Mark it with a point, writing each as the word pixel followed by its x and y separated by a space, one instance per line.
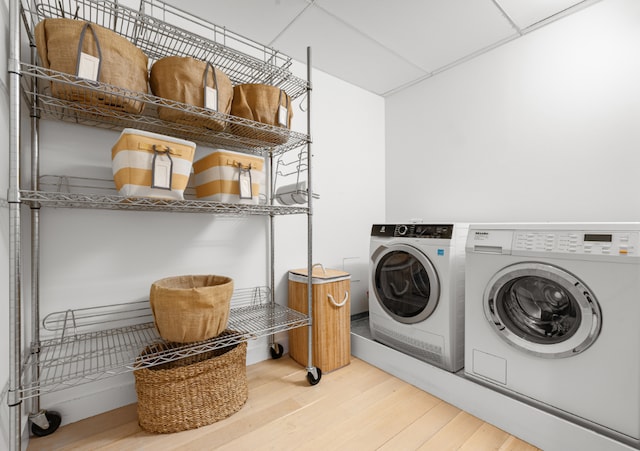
pixel 276 351
pixel 314 375
pixel 53 418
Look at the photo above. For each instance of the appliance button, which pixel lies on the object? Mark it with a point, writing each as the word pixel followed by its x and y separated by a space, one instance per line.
pixel 402 230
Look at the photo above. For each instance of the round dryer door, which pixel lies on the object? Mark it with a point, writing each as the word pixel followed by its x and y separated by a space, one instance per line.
pixel 542 310
pixel 405 283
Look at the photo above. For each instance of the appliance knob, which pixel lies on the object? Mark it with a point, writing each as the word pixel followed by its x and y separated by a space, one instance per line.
pixel 402 230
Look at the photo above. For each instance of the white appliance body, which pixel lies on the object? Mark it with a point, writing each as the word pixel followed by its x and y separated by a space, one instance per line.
pixel 416 290
pixel 553 318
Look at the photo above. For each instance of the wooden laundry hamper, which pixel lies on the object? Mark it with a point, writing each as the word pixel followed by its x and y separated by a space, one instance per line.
pixel 192 392
pixel 193 82
pixel 331 329
pixel 118 62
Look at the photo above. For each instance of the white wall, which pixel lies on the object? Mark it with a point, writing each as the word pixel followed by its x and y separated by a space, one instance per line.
pixel 544 128
pixel 95 257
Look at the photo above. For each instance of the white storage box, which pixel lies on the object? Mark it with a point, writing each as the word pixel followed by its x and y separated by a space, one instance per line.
pixel 232 177
pixel 147 164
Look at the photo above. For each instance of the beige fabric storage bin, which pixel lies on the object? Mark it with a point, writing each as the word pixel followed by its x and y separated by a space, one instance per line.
pixel 331 330
pixel 220 175
pixel 189 308
pixel 191 81
pixel 111 58
pixel 262 103
pixel 148 164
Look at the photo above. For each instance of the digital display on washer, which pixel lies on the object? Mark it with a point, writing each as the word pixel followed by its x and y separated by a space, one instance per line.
pixel 442 231
pixel 602 237
pixel 433 231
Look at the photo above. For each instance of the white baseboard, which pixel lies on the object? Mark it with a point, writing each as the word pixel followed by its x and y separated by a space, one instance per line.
pixel 541 429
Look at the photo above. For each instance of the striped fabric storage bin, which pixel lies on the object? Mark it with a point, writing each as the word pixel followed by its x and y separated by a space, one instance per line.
pixel 231 177
pixel 148 164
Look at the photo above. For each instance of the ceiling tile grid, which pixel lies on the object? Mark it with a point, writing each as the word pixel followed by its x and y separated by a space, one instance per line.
pixel 381 46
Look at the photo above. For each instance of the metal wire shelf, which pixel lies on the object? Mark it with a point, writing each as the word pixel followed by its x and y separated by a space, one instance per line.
pixel 160 29
pixel 76 102
pixel 59 191
pixel 105 202
pixel 82 352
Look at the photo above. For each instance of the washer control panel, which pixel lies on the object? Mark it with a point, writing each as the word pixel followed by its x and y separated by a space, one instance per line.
pixel 434 231
pixel 578 242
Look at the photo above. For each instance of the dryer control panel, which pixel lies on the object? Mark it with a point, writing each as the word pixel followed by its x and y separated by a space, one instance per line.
pixel 434 231
pixel 578 242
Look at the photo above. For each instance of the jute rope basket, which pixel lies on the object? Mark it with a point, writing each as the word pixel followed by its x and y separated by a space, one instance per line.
pixel 192 392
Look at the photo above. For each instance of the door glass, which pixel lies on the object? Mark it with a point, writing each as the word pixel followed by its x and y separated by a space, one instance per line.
pixel 402 284
pixel 538 310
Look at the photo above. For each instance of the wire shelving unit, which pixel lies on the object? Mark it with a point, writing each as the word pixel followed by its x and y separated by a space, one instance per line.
pixel 89 344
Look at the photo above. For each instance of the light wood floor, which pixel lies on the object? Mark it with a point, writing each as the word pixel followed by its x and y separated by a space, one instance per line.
pixel 358 407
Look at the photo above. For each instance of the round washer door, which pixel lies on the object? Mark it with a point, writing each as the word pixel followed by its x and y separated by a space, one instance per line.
pixel 405 283
pixel 542 310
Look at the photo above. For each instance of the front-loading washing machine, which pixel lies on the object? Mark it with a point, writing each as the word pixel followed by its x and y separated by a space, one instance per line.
pixel 553 318
pixel 416 290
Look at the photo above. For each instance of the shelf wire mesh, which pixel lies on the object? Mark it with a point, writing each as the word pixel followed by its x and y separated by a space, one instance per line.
pixel 77 101
pixel 60 191
pixel 82 350
pixel 160 29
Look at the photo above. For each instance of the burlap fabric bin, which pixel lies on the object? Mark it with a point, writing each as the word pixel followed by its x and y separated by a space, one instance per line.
pixel 121 64
pixel 146 164
pixel 191 308
pixel 261 103
pixel 192 392
pixel 185 80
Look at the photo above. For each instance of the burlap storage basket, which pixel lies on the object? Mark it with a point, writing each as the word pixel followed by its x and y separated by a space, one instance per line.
pixel 122 64
pixel 186 80
pixel 192 392
pixel 191 308
pixel 261 103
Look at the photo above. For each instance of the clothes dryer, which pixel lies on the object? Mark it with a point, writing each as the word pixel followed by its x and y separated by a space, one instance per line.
pixel 416 290
pixel 552 318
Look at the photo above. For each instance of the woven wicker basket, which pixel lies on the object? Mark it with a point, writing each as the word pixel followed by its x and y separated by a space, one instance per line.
pixel 192 392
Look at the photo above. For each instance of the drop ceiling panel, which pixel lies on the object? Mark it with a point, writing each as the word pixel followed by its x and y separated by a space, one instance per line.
pixel 345 53
pixel 525 14
pixel 429 33
pixel 378 45
pixel 260 20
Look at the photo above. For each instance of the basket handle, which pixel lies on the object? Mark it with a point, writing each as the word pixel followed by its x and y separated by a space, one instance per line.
pixel 81 41
pixel 339 304
pixel 324 271
pixel 215 83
